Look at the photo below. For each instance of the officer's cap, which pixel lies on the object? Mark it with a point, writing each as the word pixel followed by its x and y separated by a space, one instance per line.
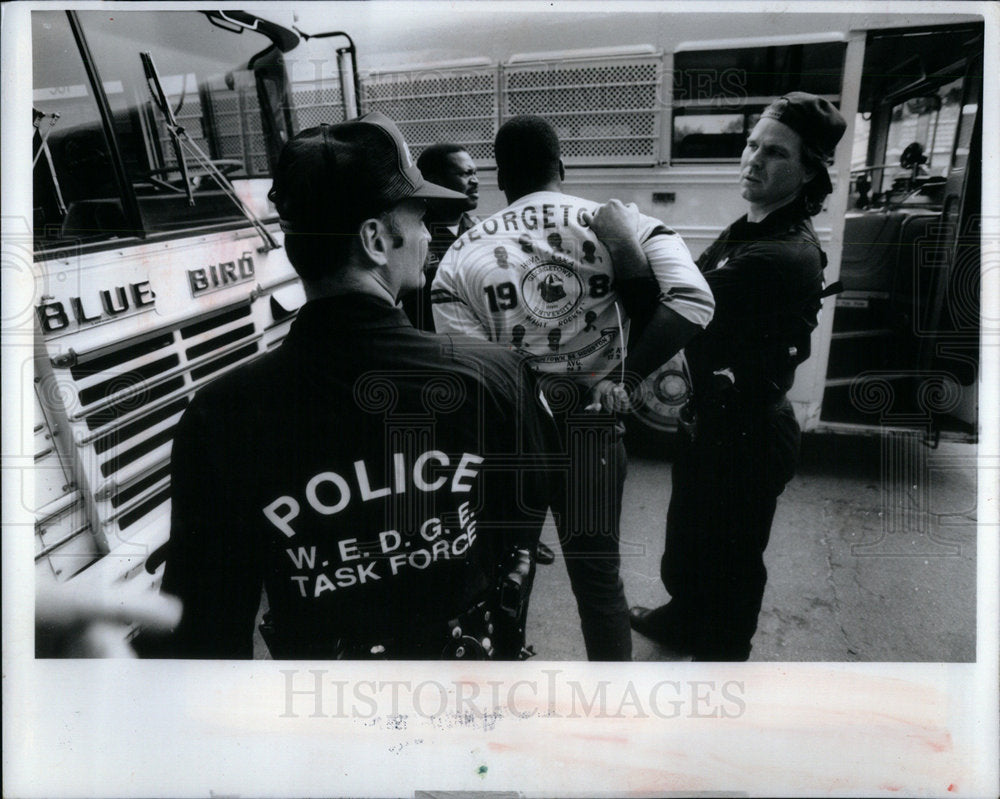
pixel 333 176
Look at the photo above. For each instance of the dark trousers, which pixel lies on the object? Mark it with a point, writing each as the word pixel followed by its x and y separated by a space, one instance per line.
pixel 726 482
pixel 587 510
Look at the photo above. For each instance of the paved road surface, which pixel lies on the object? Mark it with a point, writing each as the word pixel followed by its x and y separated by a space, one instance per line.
pixel 872 557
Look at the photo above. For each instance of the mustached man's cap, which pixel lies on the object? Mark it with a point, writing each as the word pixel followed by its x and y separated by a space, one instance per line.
pixel 330 177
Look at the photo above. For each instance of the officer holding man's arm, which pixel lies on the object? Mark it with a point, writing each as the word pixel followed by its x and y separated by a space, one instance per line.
pixel 740 441
pixel 536 277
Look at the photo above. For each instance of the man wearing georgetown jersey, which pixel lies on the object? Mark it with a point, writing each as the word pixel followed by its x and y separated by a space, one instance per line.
pixel 535 277
pixel 538 267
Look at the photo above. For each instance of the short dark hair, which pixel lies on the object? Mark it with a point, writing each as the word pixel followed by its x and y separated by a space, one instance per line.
pixel 527 151
pixel 314 256
pixel 432 162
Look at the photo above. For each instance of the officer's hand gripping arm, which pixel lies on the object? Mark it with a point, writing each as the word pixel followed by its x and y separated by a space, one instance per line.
pixel 658 330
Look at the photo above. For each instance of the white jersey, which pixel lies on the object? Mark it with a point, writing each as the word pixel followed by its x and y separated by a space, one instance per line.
pixel 534 278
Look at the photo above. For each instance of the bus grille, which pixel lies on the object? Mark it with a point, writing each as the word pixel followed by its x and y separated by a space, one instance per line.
pixel 121 403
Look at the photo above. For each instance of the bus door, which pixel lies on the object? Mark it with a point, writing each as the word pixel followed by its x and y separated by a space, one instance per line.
pixel 904 344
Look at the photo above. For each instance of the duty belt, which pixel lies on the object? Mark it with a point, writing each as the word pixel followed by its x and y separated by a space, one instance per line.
pixel 492 628
pixel 465 637
pixel 732 413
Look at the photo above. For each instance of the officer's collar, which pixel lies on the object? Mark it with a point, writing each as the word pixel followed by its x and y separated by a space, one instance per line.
pixel 779 219
pixel 347 312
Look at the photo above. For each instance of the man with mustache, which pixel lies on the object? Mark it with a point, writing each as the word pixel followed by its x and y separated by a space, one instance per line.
pixel 451 166
pixel 740 443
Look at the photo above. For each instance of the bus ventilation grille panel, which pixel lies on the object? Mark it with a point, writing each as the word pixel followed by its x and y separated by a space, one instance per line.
pixel 123 403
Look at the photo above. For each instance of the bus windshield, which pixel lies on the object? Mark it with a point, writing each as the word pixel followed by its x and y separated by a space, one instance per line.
pixel 92 184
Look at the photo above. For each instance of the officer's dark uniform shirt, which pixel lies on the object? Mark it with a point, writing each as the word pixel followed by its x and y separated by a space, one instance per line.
pixel 743 446
pixel 365 473
pixel 766 278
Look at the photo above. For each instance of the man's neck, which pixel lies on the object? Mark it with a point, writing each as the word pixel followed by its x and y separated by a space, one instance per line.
pixel 349 281
pixel 443 216
pixel 445 222
pixel 516 194
pixel 758 212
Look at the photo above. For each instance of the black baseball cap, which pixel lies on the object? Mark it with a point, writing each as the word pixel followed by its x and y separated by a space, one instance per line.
pixel 331 177
pixel 814 118
pixel 818 123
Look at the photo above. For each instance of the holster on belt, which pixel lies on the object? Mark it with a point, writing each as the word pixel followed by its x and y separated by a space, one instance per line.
pixel 516 581
pixel 491 629
pixel 723 407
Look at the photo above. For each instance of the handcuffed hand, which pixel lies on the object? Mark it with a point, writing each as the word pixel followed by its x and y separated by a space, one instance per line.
pixel 609 397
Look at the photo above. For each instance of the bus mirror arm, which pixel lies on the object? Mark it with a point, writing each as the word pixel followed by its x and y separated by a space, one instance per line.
pixel 181 140
pixel 348 71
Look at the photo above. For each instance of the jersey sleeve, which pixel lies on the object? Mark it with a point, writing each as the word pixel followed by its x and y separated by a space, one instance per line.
pixel 683 288
pixel 453 304
pixel 211 565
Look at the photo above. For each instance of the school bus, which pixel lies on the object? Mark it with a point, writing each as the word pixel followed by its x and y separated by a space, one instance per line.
pixel 158 259
pixel 651 110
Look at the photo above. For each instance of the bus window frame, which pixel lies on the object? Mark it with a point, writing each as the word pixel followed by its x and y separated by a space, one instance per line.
pixel 719 47
pixel 880 113
pixel 130 203
pixel 45 251
pixel 928 86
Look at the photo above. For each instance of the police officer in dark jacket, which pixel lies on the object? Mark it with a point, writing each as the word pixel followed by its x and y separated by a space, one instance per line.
pixel 373 478
pixel 740 438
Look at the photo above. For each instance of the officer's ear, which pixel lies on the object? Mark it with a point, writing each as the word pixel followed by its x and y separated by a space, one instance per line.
pixel 562 171
pixel 374 239
pixel 500 178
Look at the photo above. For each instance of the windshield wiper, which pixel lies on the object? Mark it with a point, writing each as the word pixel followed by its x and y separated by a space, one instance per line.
pixel 43 147
pixel 181 139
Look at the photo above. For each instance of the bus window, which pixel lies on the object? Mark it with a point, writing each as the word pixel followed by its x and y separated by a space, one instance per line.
pixel 605 107
pixel 920 138
pixel 919 143
pixel 207 74
pixel 718 95
pixel 76 196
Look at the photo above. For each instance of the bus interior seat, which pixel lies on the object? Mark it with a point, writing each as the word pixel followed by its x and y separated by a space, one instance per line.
pixel 869 257
pixel 910 286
